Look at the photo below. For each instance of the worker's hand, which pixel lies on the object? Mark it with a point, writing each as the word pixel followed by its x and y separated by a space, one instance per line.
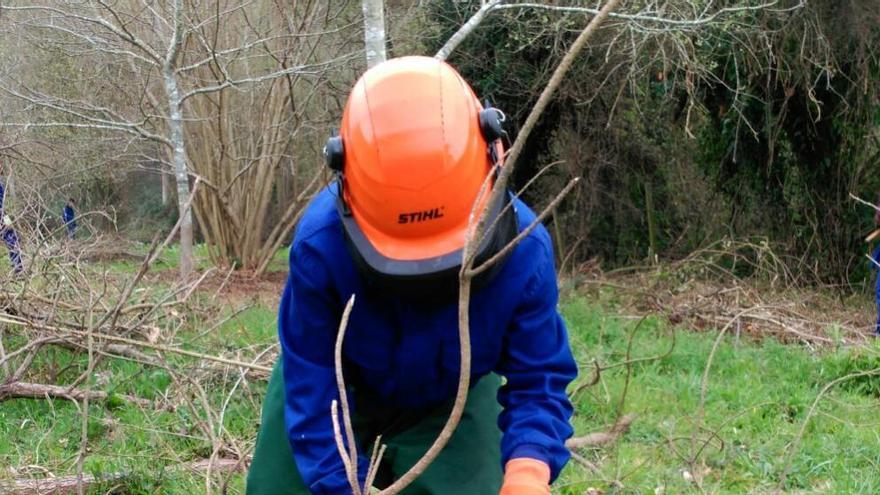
pixel 526 477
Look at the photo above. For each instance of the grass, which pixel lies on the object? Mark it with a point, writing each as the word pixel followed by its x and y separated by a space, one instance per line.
pixel 148 445
pixel 758 395
pixel 757 398
pixel 38 437
pixel 171 255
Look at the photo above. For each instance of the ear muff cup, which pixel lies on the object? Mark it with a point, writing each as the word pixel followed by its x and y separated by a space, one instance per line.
pixel 334 153
pixel 492 123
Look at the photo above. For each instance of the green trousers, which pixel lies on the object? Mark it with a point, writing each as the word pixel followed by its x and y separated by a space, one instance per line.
pixel 469 465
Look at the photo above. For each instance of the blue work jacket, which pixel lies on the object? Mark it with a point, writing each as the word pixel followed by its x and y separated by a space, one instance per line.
pixel 407 353
pixel 876 257
pixel 68 215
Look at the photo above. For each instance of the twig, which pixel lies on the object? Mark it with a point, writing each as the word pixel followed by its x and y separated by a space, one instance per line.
pixel 602 438
pixel 584 462
pixel 375 461
pixel 139 343
pixel 68 484
pixel 340 447
pixel 352 461
pixel 465 29
pixel 525 233
pixel 27 390
pixel 866 203
pixel 84 427
pixel 597 375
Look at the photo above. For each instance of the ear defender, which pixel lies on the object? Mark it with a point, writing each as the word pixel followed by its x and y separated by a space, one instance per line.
pixel 492 128
pixel 334 153
pixel 334 157
pixel 492 123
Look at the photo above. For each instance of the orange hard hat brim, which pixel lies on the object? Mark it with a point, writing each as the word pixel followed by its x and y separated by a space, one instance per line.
pixel 425 246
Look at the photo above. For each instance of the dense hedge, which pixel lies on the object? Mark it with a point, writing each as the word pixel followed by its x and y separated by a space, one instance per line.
pixel 758 125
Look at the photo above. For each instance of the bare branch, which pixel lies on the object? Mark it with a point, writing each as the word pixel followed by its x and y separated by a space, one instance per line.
pixel 500 187
pixel 352 464
pixel 229 83
pixel 99 21
pixel 526 232
pixel 467 28
pixel 24 323
pixel 602 438
pixel 26 390
pixel 690 23
pixel 90 122
pixel 866 203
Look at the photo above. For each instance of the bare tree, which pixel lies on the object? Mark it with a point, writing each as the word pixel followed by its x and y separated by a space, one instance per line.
pixel 64 301
pixel 183 67
pixel 175 127
pixel 255 148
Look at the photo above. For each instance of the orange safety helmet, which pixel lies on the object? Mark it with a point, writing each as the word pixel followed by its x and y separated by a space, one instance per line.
pixel 415 148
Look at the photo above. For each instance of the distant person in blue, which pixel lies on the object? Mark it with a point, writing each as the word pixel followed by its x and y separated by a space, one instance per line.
pixel 69 217
pixel 10 237
pixel 876 266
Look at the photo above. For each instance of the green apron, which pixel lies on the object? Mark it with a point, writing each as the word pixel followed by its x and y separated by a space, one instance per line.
pixel 470 463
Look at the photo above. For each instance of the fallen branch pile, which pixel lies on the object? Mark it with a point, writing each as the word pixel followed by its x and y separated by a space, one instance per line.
pixel 56 485
pixel 705 292
pixel 63 300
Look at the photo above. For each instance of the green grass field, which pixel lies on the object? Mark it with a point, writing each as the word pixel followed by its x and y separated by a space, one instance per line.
pixel 757 397
pixel 739 440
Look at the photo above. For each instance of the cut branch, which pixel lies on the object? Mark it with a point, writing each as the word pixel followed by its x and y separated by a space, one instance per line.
pixel 26 390
pixel 465 29
pixel 602 438
pixel 68 484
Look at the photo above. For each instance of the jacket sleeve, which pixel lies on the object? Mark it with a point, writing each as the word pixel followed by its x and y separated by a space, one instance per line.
pixel 875 256
pixel 538 365
pixel 307 324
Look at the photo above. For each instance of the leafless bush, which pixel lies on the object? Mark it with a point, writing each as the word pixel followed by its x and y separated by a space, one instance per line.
pixel 64 300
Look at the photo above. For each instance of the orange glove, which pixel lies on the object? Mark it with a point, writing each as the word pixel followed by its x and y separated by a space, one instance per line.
pixel 526 476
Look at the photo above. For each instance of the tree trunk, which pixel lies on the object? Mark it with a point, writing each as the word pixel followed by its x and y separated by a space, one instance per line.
pixel 178 151
pixel 652 224
pixel 374 31
pixel 166 186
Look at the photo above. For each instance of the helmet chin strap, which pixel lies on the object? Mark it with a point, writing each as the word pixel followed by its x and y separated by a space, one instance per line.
pixel 492 126
pixel 345 209
pixel 494 157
